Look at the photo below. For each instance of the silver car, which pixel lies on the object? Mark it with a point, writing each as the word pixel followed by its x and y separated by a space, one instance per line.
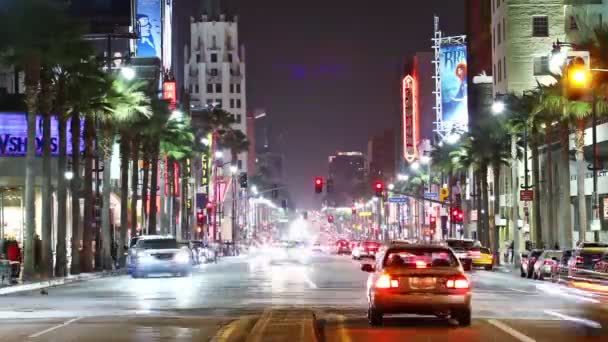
pixel 418 279
pixel 159 254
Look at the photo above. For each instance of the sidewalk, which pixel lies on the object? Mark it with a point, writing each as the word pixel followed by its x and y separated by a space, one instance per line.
pixel 37 285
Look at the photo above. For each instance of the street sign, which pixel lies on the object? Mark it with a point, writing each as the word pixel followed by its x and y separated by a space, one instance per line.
pixel 431 195
pixel 443 194
pixel 398 199
pixel 365 213
pixel 596 225
pixel 526 195
pixel 605 208
pixel 473 215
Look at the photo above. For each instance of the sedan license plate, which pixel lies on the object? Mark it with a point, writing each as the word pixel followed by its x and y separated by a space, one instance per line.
pixel 422 283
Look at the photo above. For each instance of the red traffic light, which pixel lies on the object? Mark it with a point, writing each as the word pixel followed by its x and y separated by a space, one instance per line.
pixel 319 185
pixel 330 218
pixel 379 188
pixel 318 181
pixel 199 216
pixel 433 219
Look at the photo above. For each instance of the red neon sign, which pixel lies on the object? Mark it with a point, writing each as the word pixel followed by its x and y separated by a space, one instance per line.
pixel 170 93
pixel 409 93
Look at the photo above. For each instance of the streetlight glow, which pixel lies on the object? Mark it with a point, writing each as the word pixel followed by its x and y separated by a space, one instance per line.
pixel 176 114
pixel 128 73
pixel 69 175
pixel 205 141
pixel 415 165
pixel 403 177
pixel 391 186
pixel 452 138
pixel 498 107
pixel 425 159
pixel 233 169
pixel 219 154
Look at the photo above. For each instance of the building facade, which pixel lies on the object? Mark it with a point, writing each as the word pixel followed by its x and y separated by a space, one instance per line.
pixel 346 172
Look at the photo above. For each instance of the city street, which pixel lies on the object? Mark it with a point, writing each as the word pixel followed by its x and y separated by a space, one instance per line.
pixel 224 301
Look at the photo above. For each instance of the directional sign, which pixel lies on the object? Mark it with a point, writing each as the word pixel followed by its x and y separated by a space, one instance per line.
pixel 431 195
pixel 398 199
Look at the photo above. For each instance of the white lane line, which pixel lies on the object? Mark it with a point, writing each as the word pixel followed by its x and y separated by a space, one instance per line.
pixel 522 291
pixel 583 321
pixel 310 283
pixel 521 337
pixel 66 323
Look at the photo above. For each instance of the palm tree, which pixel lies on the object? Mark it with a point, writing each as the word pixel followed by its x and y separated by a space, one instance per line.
pixel 30 50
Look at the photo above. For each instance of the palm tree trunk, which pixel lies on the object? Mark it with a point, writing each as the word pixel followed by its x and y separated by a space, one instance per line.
pixel 75 189
pixel 124 196
pixel 465 205
pixel 144 188
pixel 153 188
pixel 515 201
pixel 478 204
pixel 106 234
pixel 538 233
pixel 32 77
pixel 495 236
pixel 46 267
pixel 134 183
pixel 565 219
pixel 486 205
pixel 580 179
pixel 551 233
pixel 171 197
pixel 89 201
pixel 61 256
pixel 183 221
pixel 162 169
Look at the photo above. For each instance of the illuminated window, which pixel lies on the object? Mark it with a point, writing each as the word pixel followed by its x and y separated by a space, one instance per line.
pixel 540 26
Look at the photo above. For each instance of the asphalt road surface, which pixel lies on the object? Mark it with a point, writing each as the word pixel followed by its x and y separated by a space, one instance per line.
pixel 220 300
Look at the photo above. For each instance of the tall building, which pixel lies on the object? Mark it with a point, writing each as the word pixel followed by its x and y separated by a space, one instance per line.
pixel 215 69
pixel 347 172
pixel 381 156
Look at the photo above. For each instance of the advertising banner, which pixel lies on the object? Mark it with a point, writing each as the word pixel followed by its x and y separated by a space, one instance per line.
pixel 149 28
pixel 454 86
pixel 13 135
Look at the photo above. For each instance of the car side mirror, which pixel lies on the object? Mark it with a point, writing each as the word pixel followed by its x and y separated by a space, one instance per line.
pixel 367 268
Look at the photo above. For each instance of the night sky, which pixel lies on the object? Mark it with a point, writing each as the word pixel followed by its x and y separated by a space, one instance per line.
pixel 328 71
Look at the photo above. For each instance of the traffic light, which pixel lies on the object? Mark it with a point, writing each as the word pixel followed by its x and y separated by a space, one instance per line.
pixel 457 215
pixel 353 211
pixel 319 185
pixel 330 218
pixel 379 188
pixel 330 186
pixel 199 218
pixel 577 82
pixel 433 224
pixel 243 180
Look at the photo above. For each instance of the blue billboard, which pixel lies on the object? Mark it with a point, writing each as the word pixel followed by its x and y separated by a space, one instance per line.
pixel 149 25
pixel 454 86
pixel 13 135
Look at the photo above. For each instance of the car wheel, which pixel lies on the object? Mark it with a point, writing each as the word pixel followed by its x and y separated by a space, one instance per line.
pixel 530 274
pixel 488 267
pixel 374 317
pixel 463 316
pixel 541 276
pixel 522 273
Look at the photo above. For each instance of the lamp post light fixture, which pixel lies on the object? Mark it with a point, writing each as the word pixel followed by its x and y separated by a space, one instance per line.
pixel 219 154
pixel 391 186
pixel 233 169
pixel 128 73
pixel 69 175
pixel 498 107
pixel 205 141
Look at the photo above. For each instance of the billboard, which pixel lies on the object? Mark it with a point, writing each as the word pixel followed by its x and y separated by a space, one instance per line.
pixel 453 60
pixel 13 135
pixel 149 25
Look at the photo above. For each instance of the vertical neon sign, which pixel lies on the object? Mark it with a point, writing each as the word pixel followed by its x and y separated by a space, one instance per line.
pixel 410 118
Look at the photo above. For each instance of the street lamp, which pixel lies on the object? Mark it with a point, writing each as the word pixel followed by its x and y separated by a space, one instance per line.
pixel 219 154
pixel 425 160
pixel 205 141
pixel 69 175
pixel 128 73
pixel 402 177
pixel 452 138
pixel 233 169
pixel 415 165
pixel 498 107
pixel 391 186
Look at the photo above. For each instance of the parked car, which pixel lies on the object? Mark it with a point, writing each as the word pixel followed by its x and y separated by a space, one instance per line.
pixel 559 269
pixel 527 262
pixel 481 257
pixel 544 264
pixel 584 259
pixel 342 247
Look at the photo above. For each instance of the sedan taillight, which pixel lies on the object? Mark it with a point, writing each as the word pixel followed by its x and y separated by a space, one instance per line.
pixel 459 282
pixel 385 282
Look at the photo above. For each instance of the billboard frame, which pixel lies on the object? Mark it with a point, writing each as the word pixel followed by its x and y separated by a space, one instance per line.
pixel 441 128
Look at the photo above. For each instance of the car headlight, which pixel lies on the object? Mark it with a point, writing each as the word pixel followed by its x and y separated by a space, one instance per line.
pixel 182 257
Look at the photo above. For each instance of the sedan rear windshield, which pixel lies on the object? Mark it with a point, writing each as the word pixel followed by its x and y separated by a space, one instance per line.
pixel 420 258
pixel 536 254
pixel 483 250
pixel 158 244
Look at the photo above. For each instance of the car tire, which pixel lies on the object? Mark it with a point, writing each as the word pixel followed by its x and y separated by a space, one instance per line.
pixel 374 317
pixel 488 267
pixel 541 276
pixel 463 316
pixel 534 275
pixel 522 273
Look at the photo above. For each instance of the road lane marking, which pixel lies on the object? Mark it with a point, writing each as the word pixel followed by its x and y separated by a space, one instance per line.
pixel 521 337
pixel 522 291
pixel 310 283
pixel 583 321
pixel 342 332
pixel 64 324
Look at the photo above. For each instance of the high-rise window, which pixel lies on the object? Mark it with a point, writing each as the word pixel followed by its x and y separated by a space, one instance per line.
pixel 231 88
pixel 218 103
pixel 231 103
pixel 218 87
pixel 229 57
pixel 238 103
pixel 214 58
pixel 499 67
pixel 196 89
pixel 209 87
pixel 238 118
pixel 504 66
pixel 540 26
pixel 504 30
pixel 214 72
pixel 198 57
pixel 238 88
pixel 498 34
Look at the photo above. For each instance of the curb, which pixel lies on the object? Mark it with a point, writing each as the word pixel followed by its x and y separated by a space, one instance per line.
pixel 236 330
pixel 58 281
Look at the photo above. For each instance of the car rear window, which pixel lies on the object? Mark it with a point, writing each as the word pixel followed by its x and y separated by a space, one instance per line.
pixel 590 258
pixel 371 244
pixel 419 258
pixel 158 244
pixel 461 243
pixel 536 254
